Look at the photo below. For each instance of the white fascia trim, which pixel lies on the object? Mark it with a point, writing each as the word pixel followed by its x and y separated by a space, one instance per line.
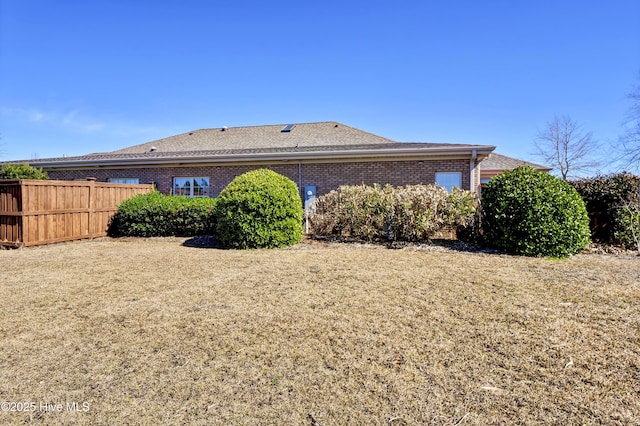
pixel 434 153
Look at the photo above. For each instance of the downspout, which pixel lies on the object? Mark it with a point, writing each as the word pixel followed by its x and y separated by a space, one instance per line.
pixel 300 189
pixel 472 170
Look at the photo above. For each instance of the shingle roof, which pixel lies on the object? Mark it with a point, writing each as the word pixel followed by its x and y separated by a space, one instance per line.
pixel 261 137
pixel 307 140
pixel 502 162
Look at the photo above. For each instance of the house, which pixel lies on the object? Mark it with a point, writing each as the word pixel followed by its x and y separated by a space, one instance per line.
pixel 319 157
pixel 495 164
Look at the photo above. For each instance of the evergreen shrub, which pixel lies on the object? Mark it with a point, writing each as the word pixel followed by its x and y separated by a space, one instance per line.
pixel 531 213
pixel 22 171
pixel 259 209
pixel 612 203
pixel 159 215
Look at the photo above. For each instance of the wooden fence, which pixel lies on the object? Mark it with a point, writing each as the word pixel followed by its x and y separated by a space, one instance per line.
pixel 36 212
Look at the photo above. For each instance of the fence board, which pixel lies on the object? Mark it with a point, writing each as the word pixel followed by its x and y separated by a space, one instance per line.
pixel 36 212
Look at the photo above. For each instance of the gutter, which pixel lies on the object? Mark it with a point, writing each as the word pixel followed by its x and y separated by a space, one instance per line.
pixel 426 153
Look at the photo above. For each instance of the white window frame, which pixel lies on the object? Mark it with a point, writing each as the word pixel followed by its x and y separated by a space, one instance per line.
pixel 124 180
pixel 446 184
pixel 191 183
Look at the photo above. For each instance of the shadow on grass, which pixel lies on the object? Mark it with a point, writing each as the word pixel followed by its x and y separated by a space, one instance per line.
pixel 204 242
pixel 211 242
pixel 455 245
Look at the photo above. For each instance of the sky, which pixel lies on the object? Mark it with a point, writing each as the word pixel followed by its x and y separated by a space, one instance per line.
pixel 94 76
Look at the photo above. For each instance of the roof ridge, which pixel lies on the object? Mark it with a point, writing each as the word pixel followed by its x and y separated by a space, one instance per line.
pixel 364 131
pixel 212 129
pixel 266 135
pixel 270 125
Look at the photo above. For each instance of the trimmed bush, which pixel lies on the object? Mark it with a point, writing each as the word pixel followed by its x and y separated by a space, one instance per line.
pixel 377 213
pixel 22 171
pixel 359 211
pixel 627 226
pixel 464 214
pixel 259 209
pixel 612 203
pixel 159 215
pixel 531 213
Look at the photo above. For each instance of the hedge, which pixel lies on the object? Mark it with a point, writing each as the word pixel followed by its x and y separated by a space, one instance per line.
pixel 612 203
pixel 387 213
pixel 159 215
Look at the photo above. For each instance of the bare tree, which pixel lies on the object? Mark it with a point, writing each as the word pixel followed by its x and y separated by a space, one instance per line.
pixel 630 140
pixel 566 147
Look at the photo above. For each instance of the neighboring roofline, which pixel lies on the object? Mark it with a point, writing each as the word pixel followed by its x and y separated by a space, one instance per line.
pixel 413 152
pixel 515 162
pixel 498 171
pixel 535 166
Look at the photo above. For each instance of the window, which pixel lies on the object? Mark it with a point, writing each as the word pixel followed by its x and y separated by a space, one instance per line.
pixel 191 186
pixel 123 180
pixel 449 180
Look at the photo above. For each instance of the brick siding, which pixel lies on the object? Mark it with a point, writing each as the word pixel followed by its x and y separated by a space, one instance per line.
pixel 326 176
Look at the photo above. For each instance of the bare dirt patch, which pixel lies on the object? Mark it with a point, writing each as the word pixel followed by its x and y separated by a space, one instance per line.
pixel 150 331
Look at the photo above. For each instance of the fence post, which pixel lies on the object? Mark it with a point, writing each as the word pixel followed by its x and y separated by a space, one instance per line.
pixel 92 196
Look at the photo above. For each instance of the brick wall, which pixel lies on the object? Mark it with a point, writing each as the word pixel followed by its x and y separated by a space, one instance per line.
pixel 326 176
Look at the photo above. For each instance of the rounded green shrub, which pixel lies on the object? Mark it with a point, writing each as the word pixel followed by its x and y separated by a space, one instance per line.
pixel 22 171
pixel 531 213
pixel 159 215
pixel 259 209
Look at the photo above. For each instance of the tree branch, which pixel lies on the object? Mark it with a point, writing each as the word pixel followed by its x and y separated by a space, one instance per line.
pixel 564 145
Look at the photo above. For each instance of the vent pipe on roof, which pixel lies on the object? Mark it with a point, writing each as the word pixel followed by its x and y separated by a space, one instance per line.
pixel 223 128
pixel 153 148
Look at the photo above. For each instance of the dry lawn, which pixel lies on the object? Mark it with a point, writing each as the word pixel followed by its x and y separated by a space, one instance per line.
pixel 148 331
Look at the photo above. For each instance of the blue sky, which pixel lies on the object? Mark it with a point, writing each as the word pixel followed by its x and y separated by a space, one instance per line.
pixel 81 77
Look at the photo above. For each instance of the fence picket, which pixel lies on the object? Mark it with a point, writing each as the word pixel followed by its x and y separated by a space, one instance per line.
pixel 34 212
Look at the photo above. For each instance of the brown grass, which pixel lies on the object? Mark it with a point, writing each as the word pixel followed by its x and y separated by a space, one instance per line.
pixel 153 332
